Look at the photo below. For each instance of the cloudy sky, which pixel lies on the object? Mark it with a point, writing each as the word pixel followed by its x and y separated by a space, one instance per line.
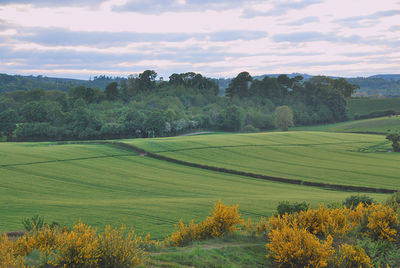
pixel 218 38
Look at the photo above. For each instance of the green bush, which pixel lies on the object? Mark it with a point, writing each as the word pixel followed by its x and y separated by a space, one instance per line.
pixel 354 200
pixel 287 207
pixel 250 128
pixel 34 223
pixel 381 252
pixel 394 201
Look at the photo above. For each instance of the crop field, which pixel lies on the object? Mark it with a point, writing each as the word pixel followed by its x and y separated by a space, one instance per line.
pixel 374 125
pixel 104 184
pixel 336 158
pixel 364 106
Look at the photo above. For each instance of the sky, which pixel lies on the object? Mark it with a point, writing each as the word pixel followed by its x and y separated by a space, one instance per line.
pixel 85 38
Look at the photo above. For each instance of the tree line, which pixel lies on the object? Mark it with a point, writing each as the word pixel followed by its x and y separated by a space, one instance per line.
pixel 144 106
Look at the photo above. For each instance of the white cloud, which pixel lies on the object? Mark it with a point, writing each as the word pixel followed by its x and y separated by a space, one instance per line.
pixel 218 38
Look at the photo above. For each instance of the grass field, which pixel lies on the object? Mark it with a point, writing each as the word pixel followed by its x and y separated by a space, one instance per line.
pixel 363 106
pixel 374 125
pixel 337 158
pixel 104 184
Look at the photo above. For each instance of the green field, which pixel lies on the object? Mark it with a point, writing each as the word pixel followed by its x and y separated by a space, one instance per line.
pixel 105 184
pixel 380 125
pixel 363 106
pixel 336 158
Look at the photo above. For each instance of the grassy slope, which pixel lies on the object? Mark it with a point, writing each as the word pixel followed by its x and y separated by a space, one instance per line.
pixel 314 156
pixel 101 184
pixel 364 106
pixel 375 125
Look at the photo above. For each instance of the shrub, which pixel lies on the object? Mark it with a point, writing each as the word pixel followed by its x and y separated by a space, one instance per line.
pixel 395 139
pixel 120 249
pixel 291 246
pixel 83 247
pixel 382 223
pixel 260 228
pixel 45 240
pixel 352 256
pixel 325 221
pixel 354 200
pixel 223 220
pixel 7 253
pixel 382 253
pixel 250 128
pixel 287 207
pixel 77 248
pixel 34 223
pixel 394 202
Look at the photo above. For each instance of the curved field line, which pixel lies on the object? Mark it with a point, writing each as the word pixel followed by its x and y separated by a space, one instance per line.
pixel 255 145
pixel 63 160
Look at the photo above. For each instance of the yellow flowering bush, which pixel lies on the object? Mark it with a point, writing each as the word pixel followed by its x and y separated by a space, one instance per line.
pixel 352 256
pixel 121 249
pixel 45 240
pixel 224 219
pixel 77 248
pixel 291 246
pixel 382 221
pixel 8 255
pixel 321 221
pixel 83 247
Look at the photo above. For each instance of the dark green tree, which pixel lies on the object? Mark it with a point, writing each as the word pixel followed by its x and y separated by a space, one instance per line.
pixel 395 139
pixel 112 91
pixel 239 85
pixel 8 121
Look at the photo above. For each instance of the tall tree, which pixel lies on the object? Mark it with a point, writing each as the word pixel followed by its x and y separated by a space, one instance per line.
pixel 239 85
pixel 283 117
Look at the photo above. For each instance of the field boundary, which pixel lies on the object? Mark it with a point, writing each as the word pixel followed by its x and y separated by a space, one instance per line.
pixel 339 187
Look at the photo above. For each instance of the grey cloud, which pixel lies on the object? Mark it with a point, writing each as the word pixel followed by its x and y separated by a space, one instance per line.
pixel 157 6
pixel 299 37
pixel 303 21
pixel 279 8
pixel 304 37
pixel 395 28
pixel 237 35
pixel 68 58
pixel 63 37
pixel 41 3
pixel 368 20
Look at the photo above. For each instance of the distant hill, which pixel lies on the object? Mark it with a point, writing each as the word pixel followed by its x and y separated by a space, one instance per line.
pixel 19 82
pixel 386 76
pixel 376 85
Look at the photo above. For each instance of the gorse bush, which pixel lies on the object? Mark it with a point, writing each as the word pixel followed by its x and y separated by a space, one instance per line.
pixel 352 256
pixel 83 247
pixel 77 248
pixel 382 223
pixel 224 219
pixel 8 255
pixel 313 229
pixel 291 246
pixel 119 248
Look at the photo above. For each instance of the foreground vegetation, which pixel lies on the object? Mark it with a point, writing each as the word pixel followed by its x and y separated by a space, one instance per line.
pixel 105 184
pixel 362 235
